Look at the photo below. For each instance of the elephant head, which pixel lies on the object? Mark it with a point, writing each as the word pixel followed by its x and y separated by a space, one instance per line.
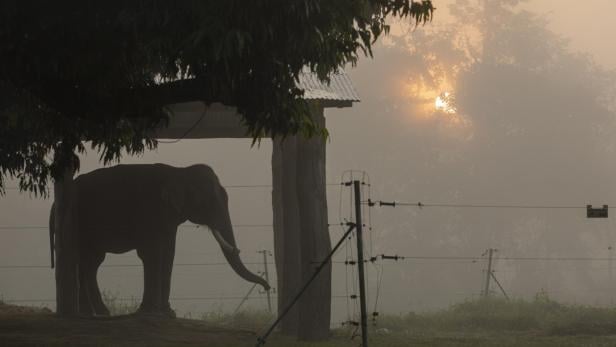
pixel 197 196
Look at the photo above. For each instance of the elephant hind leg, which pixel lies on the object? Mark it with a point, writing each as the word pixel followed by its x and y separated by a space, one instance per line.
pixel 91 301
pixel 85 301
pixel 166 267
pixel 95 293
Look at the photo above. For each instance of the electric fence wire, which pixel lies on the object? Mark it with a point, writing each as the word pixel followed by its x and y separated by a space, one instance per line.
pixel 348 254
pixel 430 260
pixel 375 311
pixel 190 298
pixel 346 248
pixel 228 186
pixel 183 226
pixel 420 204
pixel 355 175
pixel 351 280
pixel 367 192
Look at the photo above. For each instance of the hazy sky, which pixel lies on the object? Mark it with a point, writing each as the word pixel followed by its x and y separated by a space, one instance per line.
pixel 554 148
pixel 588 24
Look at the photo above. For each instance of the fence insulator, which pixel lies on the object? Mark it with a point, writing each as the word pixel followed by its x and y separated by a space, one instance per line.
pixel 350 262
pixel 353 296
pixel 385 203
pixel 374 315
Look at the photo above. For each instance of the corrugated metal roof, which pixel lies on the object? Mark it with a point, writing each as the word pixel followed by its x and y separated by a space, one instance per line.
pixel 340 87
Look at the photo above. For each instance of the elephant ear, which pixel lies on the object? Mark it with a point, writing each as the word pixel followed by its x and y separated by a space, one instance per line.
pixel 173 195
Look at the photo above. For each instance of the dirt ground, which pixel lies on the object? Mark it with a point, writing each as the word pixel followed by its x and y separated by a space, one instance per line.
pixel 24 326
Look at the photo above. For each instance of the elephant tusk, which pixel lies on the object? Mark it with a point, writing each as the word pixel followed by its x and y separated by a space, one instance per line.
pixel 223 243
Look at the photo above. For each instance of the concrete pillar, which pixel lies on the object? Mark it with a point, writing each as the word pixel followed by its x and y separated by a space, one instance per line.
pixel 315 305
pixel 301 234
pixel 286 230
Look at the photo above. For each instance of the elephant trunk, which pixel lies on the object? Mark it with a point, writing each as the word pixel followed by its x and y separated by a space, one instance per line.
pixel 232 254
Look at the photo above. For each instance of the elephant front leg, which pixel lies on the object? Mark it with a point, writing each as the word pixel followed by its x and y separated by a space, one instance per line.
pixel 151 281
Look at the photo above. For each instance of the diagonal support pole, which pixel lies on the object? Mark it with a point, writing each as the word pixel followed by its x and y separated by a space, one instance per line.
pixel 262 339
pixel 499 286
pixel 244 299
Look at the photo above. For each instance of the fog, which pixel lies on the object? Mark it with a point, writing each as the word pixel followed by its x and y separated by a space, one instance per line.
pixel 528 120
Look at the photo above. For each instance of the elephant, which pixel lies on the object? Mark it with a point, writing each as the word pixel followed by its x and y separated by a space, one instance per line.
pixel 139 207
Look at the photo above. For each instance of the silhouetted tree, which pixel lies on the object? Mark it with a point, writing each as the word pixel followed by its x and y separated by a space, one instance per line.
pixel 103 72
pixel 533 125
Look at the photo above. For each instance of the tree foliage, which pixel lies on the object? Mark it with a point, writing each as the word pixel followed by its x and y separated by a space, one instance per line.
pixel 103 72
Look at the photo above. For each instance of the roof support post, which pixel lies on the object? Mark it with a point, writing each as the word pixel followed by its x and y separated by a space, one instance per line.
pixel 286 230
pixel 301 233
pixel 315 305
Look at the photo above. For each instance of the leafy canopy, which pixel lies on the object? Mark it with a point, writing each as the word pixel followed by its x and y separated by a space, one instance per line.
pixel 103 71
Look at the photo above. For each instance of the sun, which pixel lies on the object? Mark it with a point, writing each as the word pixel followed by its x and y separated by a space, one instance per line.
pixel 444 103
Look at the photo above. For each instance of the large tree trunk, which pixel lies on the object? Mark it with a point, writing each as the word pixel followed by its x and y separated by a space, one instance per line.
pixel 286 230
pixel 315 304
pixel 301 236
pixel 66 247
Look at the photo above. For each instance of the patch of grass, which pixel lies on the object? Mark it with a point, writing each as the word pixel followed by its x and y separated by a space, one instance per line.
pixel 541 315
pixel 253 320
pixel 118 306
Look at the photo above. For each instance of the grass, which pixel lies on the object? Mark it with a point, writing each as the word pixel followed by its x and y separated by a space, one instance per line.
pixel 253 320
pixel 117 306
pixel 541 315
pixel 488 322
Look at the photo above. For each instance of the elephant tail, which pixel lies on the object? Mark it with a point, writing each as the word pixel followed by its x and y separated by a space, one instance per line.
pixel 52 246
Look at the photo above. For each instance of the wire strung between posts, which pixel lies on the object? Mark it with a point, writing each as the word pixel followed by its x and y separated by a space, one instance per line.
pixel 352 262
pixel 184 226
pixel 413 257
pixel 367 211
pixel 381 203
pixel 189 226
pixel 261 339
pixel 36 266
pixel 189 298
pixel 349 274
pixel 375 311
pixel 230 186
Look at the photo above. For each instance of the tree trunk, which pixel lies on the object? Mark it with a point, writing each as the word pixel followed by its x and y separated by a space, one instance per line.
pixel 286 230
pixel 67 278
pixel 315 304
